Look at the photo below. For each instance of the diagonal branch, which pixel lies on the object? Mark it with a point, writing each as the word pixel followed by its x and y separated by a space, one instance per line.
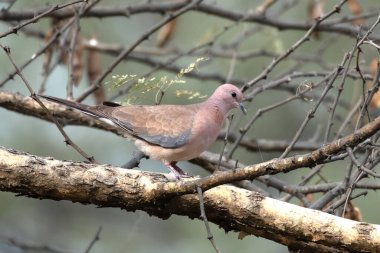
pixel 274 166
pixel 229 207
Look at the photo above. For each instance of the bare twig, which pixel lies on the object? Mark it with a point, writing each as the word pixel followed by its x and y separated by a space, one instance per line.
pixel 39 16
pixel 203 216
pixel 128 50
pixel 68 141
pixel 94 240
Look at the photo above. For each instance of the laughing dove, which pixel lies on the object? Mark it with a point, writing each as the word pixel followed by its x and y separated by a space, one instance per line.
pixel 168 133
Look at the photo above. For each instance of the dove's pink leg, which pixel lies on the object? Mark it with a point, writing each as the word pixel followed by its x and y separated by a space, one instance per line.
pixel 176 170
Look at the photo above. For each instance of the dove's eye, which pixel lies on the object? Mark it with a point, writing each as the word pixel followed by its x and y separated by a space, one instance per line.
pixel 233 94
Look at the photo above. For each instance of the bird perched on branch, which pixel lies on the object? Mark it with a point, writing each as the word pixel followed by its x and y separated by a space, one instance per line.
pixel 169 133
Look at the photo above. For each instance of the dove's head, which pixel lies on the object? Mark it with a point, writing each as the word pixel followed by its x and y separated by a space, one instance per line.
pixel 229 96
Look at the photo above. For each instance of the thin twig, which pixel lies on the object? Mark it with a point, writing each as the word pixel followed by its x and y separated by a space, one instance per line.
pixel 225 142
pixel 73 44
pixel 296 45
pixel 94 240
pixel 311 113
pixel 36 18
pixel 203 216
pixel 68 141
pixel 128 50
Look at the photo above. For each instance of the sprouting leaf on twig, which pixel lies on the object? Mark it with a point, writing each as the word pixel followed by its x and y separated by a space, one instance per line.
pixel 141 85
pixel 189 94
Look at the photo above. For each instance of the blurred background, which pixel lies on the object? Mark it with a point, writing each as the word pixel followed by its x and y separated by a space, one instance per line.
pixel 70 227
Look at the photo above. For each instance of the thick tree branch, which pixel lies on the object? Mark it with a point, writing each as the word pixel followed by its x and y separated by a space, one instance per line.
pixel 274 166
pixel 229 207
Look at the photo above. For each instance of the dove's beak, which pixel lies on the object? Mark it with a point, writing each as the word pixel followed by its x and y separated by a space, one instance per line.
pixel 242 108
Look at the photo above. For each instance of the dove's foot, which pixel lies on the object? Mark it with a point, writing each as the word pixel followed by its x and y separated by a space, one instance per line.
pixel 178 173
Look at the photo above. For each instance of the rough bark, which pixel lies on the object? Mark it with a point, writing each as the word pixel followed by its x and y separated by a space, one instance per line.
pixel 322 155
pixel 229 207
